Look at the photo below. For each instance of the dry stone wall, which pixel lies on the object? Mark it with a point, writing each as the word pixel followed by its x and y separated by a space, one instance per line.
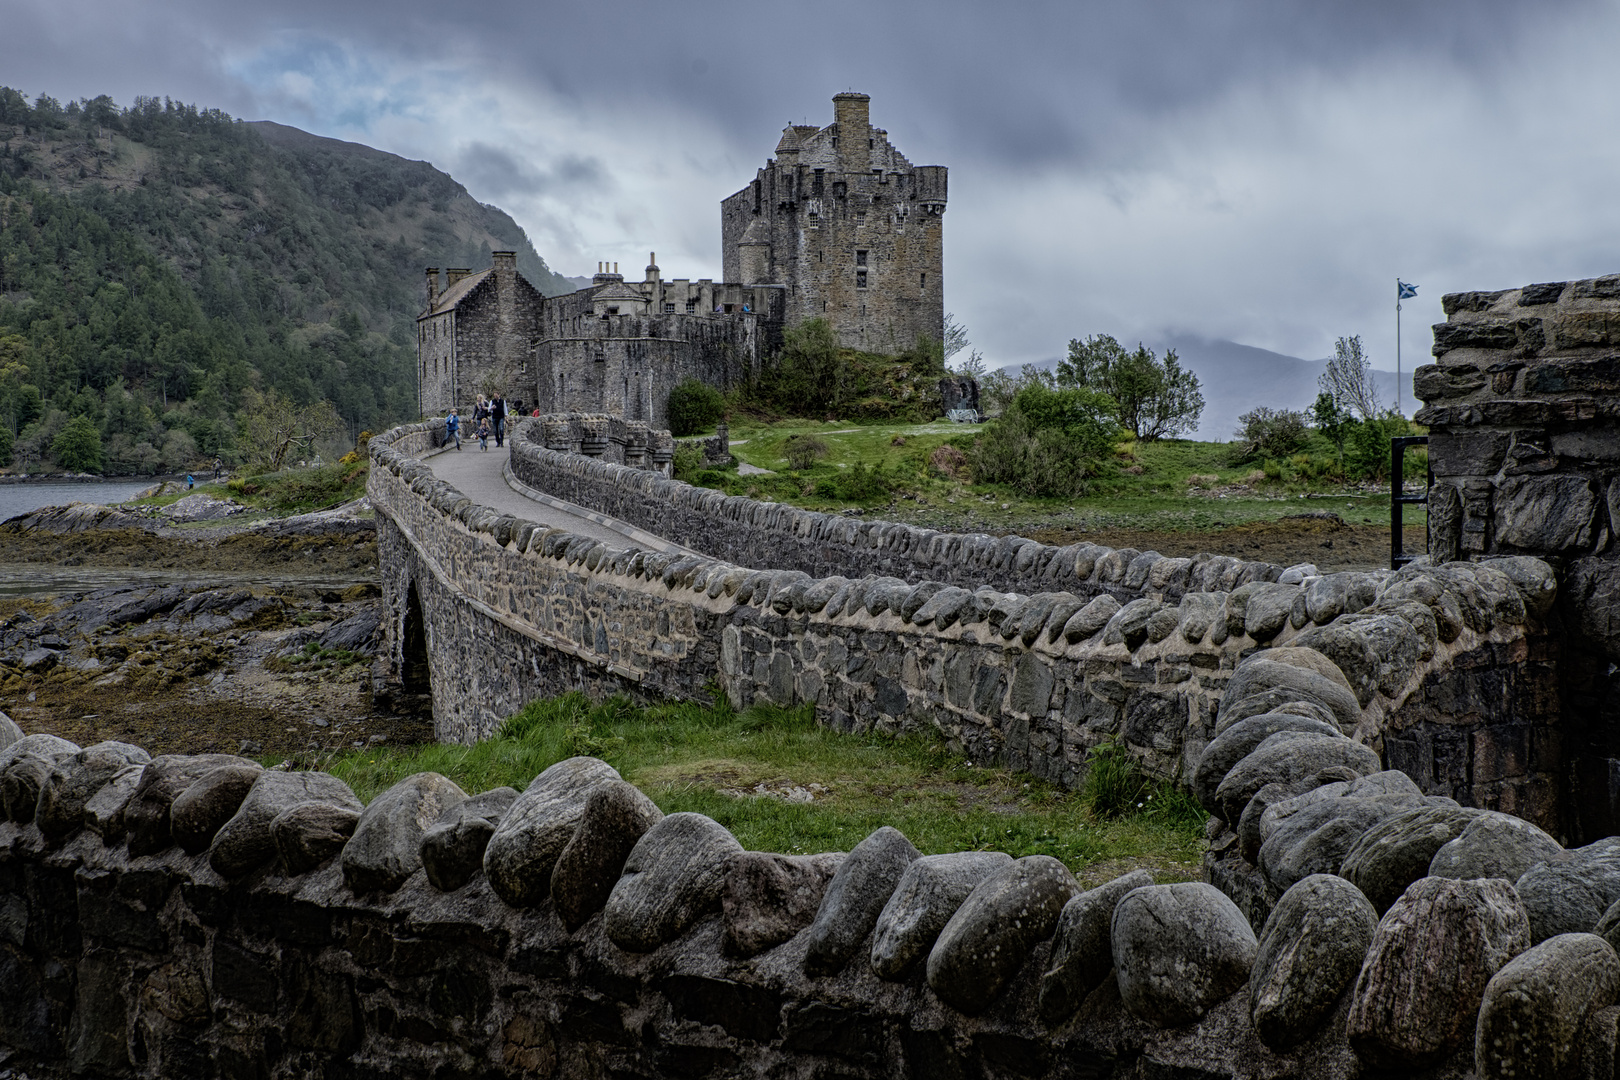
pixel 1133 649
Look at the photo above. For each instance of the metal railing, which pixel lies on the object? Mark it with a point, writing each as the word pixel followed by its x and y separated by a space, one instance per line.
pixel 1398 499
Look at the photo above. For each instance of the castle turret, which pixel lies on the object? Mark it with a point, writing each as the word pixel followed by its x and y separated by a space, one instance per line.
pixel 852 114
pixel 432 287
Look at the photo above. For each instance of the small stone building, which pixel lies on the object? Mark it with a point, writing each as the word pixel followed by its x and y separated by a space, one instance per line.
pixel 839 226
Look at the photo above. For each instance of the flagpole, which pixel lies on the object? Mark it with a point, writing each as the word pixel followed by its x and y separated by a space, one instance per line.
pixel 1397 346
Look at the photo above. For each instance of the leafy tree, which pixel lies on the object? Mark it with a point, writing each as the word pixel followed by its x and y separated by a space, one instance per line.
pixel 271 426
pixel 956 337
pixel 1348 380
pixel 7 441
pixel 1270 433
pixel 1155 397
pixel 77 447
pixel 808 375
pixel 1049 442
pixel 693 406
pixel 1333 422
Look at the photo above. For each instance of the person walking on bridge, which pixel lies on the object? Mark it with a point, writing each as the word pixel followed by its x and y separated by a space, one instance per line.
pixel 452 429
pixel 497 416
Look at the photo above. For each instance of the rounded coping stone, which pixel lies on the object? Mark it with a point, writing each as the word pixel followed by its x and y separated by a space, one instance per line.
pixel 855 898
pixel 617 815
pixel 1238 742
pixel 386 847
pixel 1249 837
pixel 1082 947
pixel 1398 850
pixel 9 731
pixel 1572 894
pixel 1315 840
pixel 1179 950
pixel 990 936
pixel 1535 1007
pixel 307 836
pixel 1286 757
pixel 1311 948
pixel 104 811
pixel 453 847
pixel 146 815
pixel 930 891
pixel 201 810
pixel 76 779
pixel 672 878
pixel 25 767
pixel 768 898
pixel 1417 997
pixel 1492 844
pixel 1259 674
pixel 523 850
pixel 245 842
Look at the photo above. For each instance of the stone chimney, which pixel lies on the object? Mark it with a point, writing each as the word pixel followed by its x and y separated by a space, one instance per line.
pixel 504 263
pixel 432 287
pixel 652 266
pixel 455 274
pixel 852 114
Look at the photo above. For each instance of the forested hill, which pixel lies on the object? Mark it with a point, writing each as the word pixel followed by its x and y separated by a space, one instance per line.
pixel 162 267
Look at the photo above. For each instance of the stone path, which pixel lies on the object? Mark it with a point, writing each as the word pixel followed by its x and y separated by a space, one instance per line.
pixel 483 477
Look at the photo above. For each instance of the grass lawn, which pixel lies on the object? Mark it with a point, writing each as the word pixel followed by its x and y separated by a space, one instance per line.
pixel 1172 486
pixel 291 491
pixel 781 783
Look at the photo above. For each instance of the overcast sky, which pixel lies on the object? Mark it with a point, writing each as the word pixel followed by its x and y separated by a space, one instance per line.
pixel 1259 171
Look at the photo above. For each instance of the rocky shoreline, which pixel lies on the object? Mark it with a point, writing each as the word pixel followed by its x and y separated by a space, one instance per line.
pixel 177 660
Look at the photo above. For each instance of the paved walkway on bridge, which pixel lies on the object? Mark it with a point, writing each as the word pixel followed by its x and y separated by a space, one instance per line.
pixel 484 478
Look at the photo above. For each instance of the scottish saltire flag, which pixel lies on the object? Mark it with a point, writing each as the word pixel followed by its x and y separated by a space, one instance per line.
pixel 1403 291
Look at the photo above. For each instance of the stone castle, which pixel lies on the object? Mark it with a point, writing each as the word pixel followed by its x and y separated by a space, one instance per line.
pixel 839 225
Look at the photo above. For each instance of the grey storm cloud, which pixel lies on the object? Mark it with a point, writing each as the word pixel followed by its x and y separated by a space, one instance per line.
pixel 496 173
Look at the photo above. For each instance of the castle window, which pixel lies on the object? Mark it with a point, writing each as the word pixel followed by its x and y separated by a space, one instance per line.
pixel 924 281
pixel 869 144
pixel 815 185
pixel 691 307
pixel 860 217
pixel 860 258
pixel 840 189
pixel 860 279
pixel 669 309
pixel 613 311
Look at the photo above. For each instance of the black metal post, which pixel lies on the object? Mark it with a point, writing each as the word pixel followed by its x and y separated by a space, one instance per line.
pixel 1398 498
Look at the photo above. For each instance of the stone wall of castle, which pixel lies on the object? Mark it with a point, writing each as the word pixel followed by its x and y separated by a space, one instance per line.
pixel 1523 406
pixel 850 227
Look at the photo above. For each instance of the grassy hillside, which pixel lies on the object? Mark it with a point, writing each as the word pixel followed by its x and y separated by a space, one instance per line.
pixel 160 264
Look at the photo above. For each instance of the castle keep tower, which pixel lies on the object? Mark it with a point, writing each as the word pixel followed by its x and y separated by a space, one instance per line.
pixel 849 227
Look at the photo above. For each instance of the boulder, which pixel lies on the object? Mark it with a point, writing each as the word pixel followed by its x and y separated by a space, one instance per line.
pixel 524 847
pixel 990 936
pixel 1278 699
pixel 1259 674
pixel 855 898
pixel 25 769
pixel 1311 948
pixel 75 780
pixel 245 842
pixel 1248 826
pixel 1572 895
pixel 1351 650
pixel 1268 608
pixel 929 892
pixel 453 847
pixel 1238 742
pixel 1082 947
pixel 1398 850
pixel 9 731
pixel 1493 844
pixel 146 815
pixel 1179 950
pixel 1315 839
pixel 1086 622
pixel 672 878
pixel 769 898
pixel 104 811
pixel 201 810
pixel 1534 1008
pixel 1434 951
pixel 1285 758
pixel 617 815
pixel 308 835
pixel 387 844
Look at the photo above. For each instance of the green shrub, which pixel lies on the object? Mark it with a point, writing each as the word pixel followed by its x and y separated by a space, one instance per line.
pixel 77 447
pixel 859 483
pixel 693 407
pixel 803 451
pixel 1366 451
pixel 1048 443
pixel 688 460
pixel 1265 432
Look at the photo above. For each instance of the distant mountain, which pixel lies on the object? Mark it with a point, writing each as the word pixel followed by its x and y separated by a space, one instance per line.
pixel 159 261
pixel 1235 378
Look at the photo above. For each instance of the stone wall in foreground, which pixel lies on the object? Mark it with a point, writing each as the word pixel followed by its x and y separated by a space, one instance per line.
pixel 511 611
